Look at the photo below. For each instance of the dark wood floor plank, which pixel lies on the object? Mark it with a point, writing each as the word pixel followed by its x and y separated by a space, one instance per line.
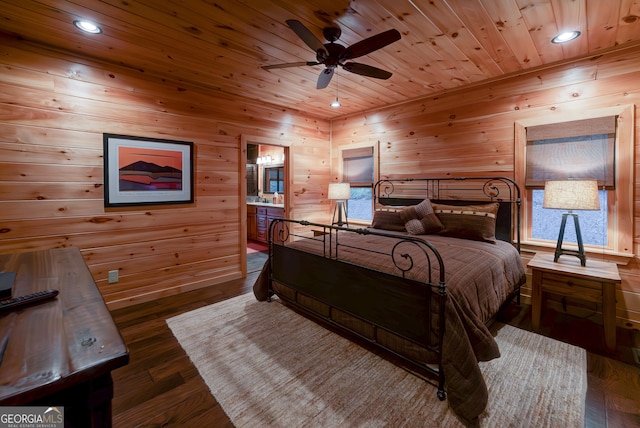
pixel 201 416
pixel 171 407
pixel 214 417
pixel 180 364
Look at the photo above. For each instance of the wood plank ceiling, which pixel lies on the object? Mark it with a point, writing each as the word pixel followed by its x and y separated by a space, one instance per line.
pixel 221 44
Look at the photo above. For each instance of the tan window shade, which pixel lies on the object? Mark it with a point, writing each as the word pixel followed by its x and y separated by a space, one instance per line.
pixel 357 166
pixel 580 149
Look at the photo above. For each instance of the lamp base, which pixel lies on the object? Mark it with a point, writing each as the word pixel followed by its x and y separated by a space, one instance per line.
pixel 339 209
pixel 559 251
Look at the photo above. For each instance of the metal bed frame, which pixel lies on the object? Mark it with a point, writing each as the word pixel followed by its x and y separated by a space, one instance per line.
pixel 382 300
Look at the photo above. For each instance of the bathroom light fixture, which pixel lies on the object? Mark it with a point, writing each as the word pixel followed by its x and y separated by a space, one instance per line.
pixel 87 26
pixel 262 160
pixel 565 36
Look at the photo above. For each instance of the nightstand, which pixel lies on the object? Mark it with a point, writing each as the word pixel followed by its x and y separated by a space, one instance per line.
pixel 595 282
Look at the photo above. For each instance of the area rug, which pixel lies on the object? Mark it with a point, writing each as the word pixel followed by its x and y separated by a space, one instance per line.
pixel 268 366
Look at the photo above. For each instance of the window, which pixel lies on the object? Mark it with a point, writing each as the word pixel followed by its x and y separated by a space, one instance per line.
pixel 357 170
pixel 274 179
pixel 597 147
pixel 579 149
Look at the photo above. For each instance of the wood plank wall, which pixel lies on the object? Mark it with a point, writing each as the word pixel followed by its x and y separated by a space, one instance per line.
pixel 53 112
pixel 471 132
pixel 54 109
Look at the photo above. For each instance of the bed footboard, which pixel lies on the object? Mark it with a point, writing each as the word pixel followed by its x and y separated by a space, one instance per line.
pixel 400 312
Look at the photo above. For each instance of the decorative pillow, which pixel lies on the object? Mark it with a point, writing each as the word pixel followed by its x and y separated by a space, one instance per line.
pixel 420 219
pixel 475 222
pixel 388 220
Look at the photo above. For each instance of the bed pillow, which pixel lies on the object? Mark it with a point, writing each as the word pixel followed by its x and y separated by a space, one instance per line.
pixel 475 222
pixel 421 219
pixel 388 220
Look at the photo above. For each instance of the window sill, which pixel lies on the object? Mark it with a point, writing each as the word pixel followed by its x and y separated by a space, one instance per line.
pixel 361 223
pixel 602 254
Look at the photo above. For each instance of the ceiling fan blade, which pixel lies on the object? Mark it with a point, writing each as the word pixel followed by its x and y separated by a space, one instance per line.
pixel 306 35
pixel 367 70
pixel 325 78
pixel 290 64
pixel 371 44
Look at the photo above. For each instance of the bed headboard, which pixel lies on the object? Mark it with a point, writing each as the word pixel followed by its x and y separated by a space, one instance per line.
pixel 399 192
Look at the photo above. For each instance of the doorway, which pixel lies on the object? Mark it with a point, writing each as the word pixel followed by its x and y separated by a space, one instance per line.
pixel 266 190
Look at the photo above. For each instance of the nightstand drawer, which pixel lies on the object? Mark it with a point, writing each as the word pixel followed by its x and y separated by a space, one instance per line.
pixel 568 286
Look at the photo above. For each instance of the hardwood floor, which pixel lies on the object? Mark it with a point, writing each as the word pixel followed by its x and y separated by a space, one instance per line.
pixel 160 387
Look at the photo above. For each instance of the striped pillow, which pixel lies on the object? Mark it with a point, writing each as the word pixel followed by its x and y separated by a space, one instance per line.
pixel 475 222
pixel 388 220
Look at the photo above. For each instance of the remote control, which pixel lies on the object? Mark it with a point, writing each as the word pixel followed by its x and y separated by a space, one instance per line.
pixel 27 299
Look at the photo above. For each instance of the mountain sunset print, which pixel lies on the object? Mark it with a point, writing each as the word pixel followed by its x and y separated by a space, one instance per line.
pixel 149 169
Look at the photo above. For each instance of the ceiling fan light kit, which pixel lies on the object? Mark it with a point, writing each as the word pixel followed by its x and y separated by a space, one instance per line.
pixel 333 54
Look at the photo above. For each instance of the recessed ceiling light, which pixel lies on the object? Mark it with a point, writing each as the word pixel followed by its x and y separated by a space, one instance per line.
pixel 565 37
pixel 87 26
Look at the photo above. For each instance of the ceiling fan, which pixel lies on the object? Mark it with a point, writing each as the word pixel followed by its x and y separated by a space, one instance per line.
pixel 333 54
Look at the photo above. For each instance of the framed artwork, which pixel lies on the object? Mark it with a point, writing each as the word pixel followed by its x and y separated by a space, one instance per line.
pixel 147 171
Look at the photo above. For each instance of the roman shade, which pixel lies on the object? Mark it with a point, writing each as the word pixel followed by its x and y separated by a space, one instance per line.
pixel 357 166
pixel 579 149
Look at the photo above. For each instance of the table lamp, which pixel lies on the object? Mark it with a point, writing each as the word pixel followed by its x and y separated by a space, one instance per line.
pixel 340 192
pixel 571 195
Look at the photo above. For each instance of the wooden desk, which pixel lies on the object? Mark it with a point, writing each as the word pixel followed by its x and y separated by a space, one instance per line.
pixel 60 352
pixel 595 282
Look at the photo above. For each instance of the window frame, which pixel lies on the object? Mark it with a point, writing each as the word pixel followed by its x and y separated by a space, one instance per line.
pixel 620 200
pixel 374 155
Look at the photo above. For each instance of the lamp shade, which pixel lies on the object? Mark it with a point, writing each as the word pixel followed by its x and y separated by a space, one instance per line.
pixel 571 195
pixel 339 191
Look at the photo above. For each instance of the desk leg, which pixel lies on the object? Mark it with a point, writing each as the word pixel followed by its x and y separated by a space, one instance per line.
pixel 85 405
pixel 609 315
pixel 536 299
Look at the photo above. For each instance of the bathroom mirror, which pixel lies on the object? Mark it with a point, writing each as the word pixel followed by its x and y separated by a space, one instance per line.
pixel 273 179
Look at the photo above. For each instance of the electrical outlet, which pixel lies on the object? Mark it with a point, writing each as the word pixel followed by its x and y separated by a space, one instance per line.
pixel 113 276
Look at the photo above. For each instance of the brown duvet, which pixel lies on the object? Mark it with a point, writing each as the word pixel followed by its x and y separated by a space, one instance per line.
pixel 479 277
